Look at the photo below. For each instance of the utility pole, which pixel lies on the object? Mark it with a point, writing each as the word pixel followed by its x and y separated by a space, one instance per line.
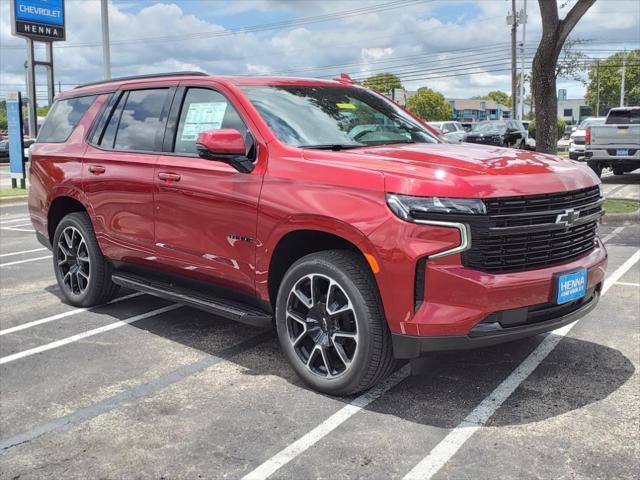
pixel 597 88
pixel 514 27
pixel 523 20
pixel 106 54
pixel 624 69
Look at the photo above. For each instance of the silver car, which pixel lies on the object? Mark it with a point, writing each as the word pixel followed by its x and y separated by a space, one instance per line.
pixel 453 131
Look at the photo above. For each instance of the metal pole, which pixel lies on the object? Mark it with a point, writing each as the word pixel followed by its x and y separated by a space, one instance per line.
pixel 31 90
pixel 513 59
pixel 597 88
pixel 51 86
pixel 106 54
pixel 522 58
pixel 624 68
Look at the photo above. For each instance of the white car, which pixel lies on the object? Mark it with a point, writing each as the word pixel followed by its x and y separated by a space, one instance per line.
pixel 576 140
pixel 453 131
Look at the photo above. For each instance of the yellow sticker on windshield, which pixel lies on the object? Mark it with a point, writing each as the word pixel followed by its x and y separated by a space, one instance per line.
pixel 347 106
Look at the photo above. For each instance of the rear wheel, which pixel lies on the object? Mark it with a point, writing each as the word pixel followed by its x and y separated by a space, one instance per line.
pixel 83 274
pixel 331 324
pixel 596 167
pixel 618 171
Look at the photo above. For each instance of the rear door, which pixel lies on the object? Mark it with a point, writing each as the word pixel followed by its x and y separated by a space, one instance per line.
pixel 119 168
pixel 206 211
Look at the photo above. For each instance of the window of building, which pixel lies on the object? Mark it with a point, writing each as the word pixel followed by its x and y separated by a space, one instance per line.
pixel 568 112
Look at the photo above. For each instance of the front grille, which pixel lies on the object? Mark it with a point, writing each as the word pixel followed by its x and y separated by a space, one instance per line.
pixel 522 233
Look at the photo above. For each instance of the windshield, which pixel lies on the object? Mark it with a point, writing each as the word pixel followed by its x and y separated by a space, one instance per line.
pixel 330 117
pixel 489 127
pixel 590 122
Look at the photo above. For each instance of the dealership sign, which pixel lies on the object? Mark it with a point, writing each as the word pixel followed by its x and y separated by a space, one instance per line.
pixel 41 20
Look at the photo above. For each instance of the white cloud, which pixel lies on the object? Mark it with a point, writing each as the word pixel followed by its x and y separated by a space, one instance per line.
pixel 358 44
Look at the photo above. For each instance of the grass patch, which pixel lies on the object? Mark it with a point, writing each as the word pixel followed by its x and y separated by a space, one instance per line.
pixel 12 192
pixel 616 205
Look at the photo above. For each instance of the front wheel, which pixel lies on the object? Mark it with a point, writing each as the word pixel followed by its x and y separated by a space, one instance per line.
pixel 618 171
pixel 83 274
pixel 331 323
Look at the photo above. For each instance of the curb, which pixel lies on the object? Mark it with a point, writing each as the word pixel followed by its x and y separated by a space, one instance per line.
pixel 18 200
pixel 621 218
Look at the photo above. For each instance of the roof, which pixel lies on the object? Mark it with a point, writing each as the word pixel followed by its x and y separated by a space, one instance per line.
pixel 115 83
pixel 475 104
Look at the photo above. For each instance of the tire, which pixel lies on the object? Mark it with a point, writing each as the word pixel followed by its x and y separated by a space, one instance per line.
pixel 618 171
pixel 596 167
pixel 344 350
pixel 573 156
pixel 82 272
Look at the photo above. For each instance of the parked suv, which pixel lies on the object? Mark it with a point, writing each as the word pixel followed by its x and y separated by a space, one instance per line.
pixel 317 205
pixel 502 133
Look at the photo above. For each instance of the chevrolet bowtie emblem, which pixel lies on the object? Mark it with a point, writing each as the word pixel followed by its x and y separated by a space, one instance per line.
pixel 568 217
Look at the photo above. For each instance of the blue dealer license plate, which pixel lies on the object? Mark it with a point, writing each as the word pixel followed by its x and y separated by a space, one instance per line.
pixel 571 286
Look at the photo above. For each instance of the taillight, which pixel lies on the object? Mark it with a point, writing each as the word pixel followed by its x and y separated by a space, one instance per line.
pixel 587 136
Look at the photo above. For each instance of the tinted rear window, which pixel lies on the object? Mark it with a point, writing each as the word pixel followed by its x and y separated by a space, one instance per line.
pixel 140 120
pixel 63 118
pixel 624 117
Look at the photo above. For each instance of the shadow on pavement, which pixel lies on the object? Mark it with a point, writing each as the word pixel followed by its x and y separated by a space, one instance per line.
pixel 626 179
pixel 575 374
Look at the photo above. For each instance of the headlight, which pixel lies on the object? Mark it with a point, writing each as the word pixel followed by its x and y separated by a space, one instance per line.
pixel 408 207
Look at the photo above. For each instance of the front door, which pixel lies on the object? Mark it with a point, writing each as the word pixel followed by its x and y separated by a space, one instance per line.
pixel 206 211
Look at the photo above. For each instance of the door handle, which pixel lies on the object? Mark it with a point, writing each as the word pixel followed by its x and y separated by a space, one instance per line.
pixel 169 177
pixel 97 169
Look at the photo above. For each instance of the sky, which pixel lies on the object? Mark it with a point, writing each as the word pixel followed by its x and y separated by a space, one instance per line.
pixel 459 48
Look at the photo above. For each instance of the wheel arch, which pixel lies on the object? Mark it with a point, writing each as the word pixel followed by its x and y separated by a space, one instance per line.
pixel 61 206
pixel 304 240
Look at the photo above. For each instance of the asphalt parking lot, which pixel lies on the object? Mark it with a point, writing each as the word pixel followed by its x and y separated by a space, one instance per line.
pixel 142 388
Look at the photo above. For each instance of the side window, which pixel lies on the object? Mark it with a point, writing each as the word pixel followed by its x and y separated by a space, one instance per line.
pixel 203 110
pixel 136 120
pixel 63 118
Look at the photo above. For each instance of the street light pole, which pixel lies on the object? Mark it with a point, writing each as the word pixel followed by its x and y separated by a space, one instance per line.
pixel 624 69
pixel 523 20
pixel 514 26
pixel 106 54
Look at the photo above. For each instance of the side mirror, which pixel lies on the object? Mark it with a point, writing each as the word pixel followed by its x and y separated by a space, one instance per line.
pixel 229 146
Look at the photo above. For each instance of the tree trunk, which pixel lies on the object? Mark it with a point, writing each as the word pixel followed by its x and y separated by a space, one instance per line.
pixel 543 81
pixel 543 86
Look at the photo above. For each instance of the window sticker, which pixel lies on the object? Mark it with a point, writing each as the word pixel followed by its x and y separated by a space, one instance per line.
pixel 202 117
pixel 346 106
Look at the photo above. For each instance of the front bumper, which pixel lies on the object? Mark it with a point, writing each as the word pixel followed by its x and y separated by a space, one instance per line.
pixel 461 305
pixel 490 333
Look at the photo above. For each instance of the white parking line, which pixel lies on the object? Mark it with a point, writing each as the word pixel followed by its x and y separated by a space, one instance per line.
pixel 90 333
pixel 22 252
pixel 14 229
pixel 628 284
pixel 17 262
pixel 447 448
pixel 14 220
pixel 615 232
pixel 76 311
pixel 309 439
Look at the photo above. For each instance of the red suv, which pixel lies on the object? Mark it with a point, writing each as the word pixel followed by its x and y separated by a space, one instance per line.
pixel 320 206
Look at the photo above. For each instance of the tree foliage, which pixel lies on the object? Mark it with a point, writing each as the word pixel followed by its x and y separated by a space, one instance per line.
pixel 430 105
pixel 609 71
pixel 383 82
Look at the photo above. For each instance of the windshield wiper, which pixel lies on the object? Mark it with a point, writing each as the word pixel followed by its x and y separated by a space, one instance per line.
pixel 334 146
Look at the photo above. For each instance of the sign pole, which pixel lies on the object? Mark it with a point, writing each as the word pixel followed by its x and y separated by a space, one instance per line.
pixel 106 53
pixel 31 89
pixel 51 86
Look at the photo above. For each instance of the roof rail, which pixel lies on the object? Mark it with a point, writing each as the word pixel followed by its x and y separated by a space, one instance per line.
pixel 142 77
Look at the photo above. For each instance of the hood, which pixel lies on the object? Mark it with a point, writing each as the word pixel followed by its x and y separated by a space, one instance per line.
pixel 464 170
